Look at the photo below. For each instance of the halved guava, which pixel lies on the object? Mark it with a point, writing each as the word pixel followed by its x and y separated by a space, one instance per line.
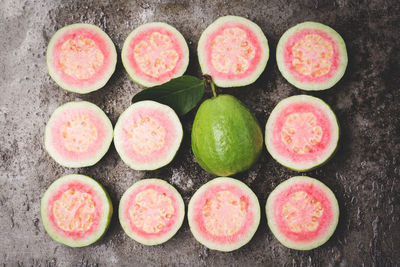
pixel 301 132
pixel 151 211
pixel 81 58
pixel 147 135
pixel 76 210
pixel 78 134
pixel 302 213
pixel 233 51
pixel 224 214
pixel 154 53
pixel 311 56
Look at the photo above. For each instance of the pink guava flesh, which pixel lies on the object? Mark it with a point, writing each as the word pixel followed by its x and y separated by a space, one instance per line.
pixel 164 52
pixel 302 212
pixel 165 134
pixel 77 51
pixel 304 131
pixel 311 65
pixel 75 209
pixel 209 214
pixel 252 60
pixel 161 215
pixel 91 129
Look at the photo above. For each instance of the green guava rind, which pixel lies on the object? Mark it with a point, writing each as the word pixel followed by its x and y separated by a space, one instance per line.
pixel 125 48
pixel 125 223
pixel 106 214
pixel 76 89
pixel 148 166
pixel 202 54
pixel 251 231
pixel 305 85
pixel 272 223
pixel 335 133
pixel 95 158
pixel 226 137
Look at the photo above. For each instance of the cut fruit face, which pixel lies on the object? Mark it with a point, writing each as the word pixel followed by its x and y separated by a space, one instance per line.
pixel 151 211
pixel 224 214
pixel 76 210
pixel 147 135
pixel 154 53
pixel 311 56
pixel 233 51
pixel 81 58
pixel 302 213
pixel 301 132
pixel 78 134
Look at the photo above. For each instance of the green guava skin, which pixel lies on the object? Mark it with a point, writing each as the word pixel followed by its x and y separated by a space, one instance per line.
pixel 226 137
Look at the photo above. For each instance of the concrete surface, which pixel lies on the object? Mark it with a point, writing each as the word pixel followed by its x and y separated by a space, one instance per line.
pixel 364 173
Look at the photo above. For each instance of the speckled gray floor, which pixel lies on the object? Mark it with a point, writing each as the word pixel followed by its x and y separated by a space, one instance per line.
pixel 364 173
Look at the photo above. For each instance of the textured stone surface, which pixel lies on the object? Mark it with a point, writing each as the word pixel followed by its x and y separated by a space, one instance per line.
pixel 364 173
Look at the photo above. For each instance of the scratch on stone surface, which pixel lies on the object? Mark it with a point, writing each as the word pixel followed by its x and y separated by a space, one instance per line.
pixel 36 224
pixel 374 240
pixel 12 218
pixel 203 253
pixel 2 200
pixel 86 263
pixel 51 263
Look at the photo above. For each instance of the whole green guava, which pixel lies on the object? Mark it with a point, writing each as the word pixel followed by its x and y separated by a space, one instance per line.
pixel 226 137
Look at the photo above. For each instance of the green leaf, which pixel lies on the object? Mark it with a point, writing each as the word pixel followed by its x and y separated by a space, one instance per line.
pixel 182 94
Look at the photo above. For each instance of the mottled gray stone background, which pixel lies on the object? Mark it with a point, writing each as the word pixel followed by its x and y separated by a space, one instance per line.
pixel 364 173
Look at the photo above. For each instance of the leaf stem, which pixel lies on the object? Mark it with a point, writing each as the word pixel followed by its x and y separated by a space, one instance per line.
pixel 207 78
pixel 213 88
